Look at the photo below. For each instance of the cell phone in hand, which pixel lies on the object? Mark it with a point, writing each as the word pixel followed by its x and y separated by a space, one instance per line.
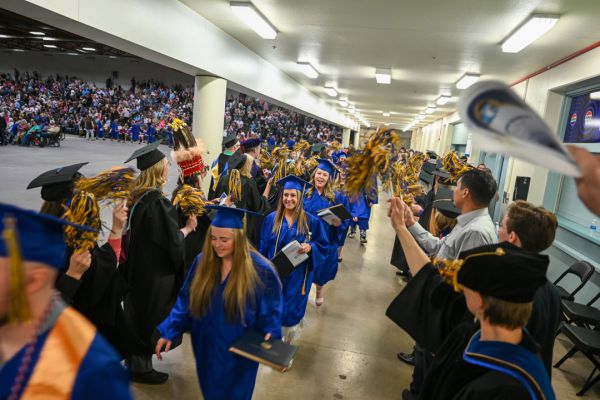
pixel 222 198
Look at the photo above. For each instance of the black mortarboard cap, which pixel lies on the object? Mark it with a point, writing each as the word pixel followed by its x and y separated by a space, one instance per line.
pixel 503 271
pixel 57 184
pixel 236 160
pixel 230 140
pixel 444 202
pixel 147 156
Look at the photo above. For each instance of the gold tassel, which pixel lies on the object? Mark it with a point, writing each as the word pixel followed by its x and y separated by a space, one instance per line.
pixel 449 269
pixel 18 307
pixel 190 200
pixel 83 210
pixel 235 185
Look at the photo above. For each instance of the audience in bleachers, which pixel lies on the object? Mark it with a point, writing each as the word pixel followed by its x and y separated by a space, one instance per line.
pixel 33 105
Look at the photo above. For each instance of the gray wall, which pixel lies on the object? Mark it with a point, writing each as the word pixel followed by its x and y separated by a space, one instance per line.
pixel 91 68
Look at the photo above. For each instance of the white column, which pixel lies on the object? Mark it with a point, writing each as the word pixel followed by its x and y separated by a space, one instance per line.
pixel 208 119
pixel 346 137
pixel 356 138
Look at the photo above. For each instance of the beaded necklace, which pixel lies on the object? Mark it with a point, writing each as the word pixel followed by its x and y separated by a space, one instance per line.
pixel 24 367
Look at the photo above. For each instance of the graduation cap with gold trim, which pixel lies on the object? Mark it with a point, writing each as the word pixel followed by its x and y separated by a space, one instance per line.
pixel 502 271
pixel 30 236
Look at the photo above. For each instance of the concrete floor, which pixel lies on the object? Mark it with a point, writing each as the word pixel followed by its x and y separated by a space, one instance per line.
pixel 347 347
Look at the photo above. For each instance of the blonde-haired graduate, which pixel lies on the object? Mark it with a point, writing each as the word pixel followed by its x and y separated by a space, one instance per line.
pixel 288 223
pixel 154 253
pixel 321 196
pixel 229 290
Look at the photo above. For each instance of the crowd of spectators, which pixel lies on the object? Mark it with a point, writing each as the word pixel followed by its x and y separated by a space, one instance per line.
pixel 30 105
pixel 252 117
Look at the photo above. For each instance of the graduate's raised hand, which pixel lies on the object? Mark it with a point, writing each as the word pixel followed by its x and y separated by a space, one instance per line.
pixel 79 262
pixel 162 342
pixel 396 213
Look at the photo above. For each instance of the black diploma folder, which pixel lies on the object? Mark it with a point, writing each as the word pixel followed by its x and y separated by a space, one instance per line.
pixel 274 353
pixel 283 264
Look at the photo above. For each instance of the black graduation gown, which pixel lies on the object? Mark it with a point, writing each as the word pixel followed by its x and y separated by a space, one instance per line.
pixel 195 240
pixel 398 259
pixel 436 317
pixel 98 296
pixel 154 265
pixel 221 162
pixel 544 321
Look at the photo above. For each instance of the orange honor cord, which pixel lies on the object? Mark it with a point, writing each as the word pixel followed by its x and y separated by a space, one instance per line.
pixel 68 343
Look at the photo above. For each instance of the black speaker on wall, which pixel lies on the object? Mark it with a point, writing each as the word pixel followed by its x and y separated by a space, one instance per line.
pixel 521 188
pixel 115 74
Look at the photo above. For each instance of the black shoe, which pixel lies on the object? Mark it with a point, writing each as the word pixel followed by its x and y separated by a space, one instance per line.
pixel 408 395
pixel 150 378
pixel 408 358
pixel 339 259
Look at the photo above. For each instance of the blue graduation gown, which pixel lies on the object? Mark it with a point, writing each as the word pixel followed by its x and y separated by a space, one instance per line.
pixel 100 375
pixel 328 270
pixel 222 374
pixel 135 132
pixel 343 230
pixel 99 129
pixel 294 302
pixel 150 133
pixel 114 130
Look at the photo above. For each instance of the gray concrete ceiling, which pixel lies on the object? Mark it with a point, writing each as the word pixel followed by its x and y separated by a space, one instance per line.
pixel 428 44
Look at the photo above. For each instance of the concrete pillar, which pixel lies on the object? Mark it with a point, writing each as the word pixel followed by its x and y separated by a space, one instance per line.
pixel 346 137
pixel 208 119
pixel 356 139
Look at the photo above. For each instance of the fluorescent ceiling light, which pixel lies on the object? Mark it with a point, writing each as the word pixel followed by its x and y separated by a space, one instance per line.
pixel 79 50
pixel 528 32
pixel 352 111
pixel 429 110
pixel 112 56
pixel 18 50
pixel 308 69
pixel 419 117
pixel 331 91
pixel 386 114
pixel 254 19
pixel 50 46
pixel 72 54
pixel 386 124
pixel 343 103
pixel 4 36
pixel 37 33
pixel 595 95
pixel 467 80
pixel 383 76
pixel 88 49
pixel 443 99
pixel 48 39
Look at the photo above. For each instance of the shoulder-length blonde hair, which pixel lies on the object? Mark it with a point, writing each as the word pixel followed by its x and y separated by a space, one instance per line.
pixel 246 169
pixel 327 190
pixel 149 179
pixel 241 284
pixel 299 214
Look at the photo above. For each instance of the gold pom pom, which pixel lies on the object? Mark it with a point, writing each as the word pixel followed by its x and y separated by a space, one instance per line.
pixel 190 200
pixel 82 210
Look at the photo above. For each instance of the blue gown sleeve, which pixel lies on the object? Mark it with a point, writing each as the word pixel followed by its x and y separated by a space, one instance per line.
pixel 340 198
pixel 269 300
pixel 179 319
pixel 318 241
pixel 101 376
